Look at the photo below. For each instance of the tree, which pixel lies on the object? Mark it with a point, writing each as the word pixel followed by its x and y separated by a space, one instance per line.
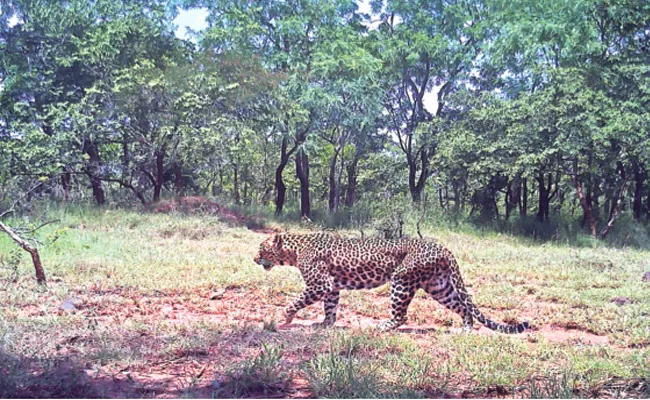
pixel 428 48
pixel 347 96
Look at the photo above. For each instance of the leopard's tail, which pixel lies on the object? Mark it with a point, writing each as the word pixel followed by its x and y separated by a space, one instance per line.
pixel 459 287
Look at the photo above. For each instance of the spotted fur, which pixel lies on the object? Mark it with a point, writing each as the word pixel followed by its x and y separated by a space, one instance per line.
pixel 329 263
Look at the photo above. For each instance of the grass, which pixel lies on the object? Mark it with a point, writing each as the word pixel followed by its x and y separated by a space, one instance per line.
pixel 174 305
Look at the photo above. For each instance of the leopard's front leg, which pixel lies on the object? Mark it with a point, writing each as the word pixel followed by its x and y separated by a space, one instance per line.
pixel 318 287
pixel 308 297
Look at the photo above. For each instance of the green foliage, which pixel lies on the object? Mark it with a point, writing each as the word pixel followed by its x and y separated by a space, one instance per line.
pixel 499 109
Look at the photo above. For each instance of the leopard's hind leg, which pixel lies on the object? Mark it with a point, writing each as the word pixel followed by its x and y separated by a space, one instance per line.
pixel 442 289
pixel 330 305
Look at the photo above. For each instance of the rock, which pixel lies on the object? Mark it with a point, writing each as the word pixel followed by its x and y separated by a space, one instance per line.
pixel 71 304
pixel 216 295
pixel 646 277
pixel 621 301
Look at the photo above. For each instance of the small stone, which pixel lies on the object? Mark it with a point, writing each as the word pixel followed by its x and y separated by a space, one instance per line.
pixel 216 295
pixel 621 301
pixel 646 277
pixel 71 304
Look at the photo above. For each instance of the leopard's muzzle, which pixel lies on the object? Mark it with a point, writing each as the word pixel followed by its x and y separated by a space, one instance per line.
pixel 263 262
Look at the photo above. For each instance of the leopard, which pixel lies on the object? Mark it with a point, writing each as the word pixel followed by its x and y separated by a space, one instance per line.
pixel 330 263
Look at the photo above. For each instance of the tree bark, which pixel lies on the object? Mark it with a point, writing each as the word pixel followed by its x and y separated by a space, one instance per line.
pixel 513 198
pixel 457 195
pixel 523 205
pixel 90 148
pixel 639 180
pixel 302 172
pixel 544 197
pixel 587 194
pixel 508 199
pixel 416 186
pixel 280 187
pixel 284 160
pixel 160 172
pixel 647 205
pixel 178 179
pixel 65 184
pixel 33 252
pixel 586 206
pixel 351 190
pixel 235 181
pixel 333 201
pixel 616 206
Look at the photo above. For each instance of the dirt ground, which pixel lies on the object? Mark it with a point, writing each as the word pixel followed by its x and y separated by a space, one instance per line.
pixel 243 311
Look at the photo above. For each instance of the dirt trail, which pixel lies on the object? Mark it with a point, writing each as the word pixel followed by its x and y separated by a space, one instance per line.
pixel 245 307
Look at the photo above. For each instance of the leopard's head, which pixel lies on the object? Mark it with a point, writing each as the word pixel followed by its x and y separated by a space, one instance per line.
pixel 272 252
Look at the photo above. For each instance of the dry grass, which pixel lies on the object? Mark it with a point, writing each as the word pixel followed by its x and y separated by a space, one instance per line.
pixel 172 305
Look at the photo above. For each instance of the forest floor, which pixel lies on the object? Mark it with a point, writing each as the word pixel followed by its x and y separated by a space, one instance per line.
pixel 171 305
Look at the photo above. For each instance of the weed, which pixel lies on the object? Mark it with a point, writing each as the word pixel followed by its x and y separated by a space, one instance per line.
pixel 338 373
pixel 557 386
pixel 270 326
pixel 262 375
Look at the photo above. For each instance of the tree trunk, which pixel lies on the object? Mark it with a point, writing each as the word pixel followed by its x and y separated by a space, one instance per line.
pixel 351 190
pixel 178 179
pixel 513 195
pixel 616 205
pixel 302 172
pixel 65 184
pixel 94 162
pixel 586 206
pixel 637 205
pixel 235 181
pixel 160 172
pixel 647 205
pixel 508 199
pixel 523 205
pixel 280 187
pixel 542 205
pixel 333 201
pixel 417 186
pixel 587 194
pixel 457 195
pixel 33 251
pixel 245 192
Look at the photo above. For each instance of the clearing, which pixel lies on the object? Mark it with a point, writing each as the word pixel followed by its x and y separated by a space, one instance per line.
pixel 167 305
